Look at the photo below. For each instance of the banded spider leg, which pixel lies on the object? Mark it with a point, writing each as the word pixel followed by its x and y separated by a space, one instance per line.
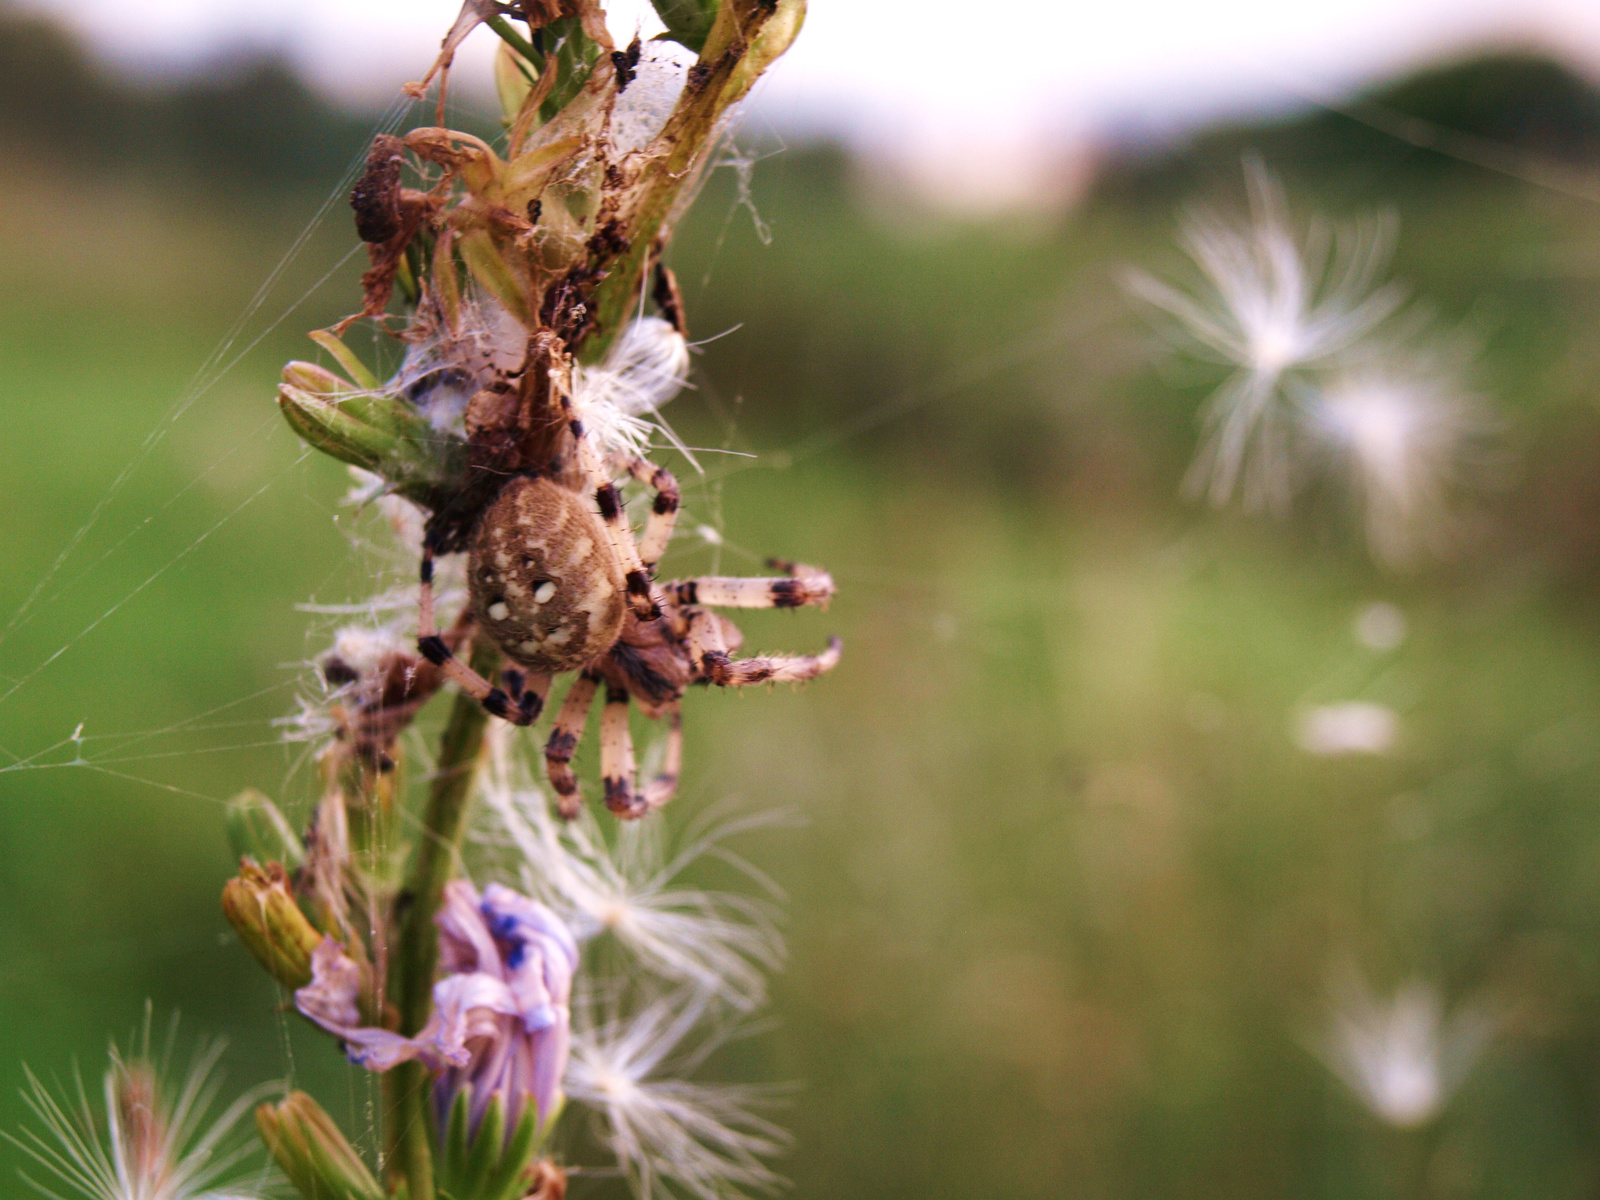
pixel 798 585
pixel 617 767
pixel 702 635
pixel 715 664
pixel 638 565
pixel 520 701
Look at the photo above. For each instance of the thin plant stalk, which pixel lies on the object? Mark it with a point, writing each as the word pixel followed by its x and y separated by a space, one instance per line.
pixel 417 949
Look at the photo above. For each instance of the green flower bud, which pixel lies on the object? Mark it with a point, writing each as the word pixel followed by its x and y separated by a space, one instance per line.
pixel 373 430
pixel 259 831
pixel 312 1152
pixel 263 911
pixel 318 380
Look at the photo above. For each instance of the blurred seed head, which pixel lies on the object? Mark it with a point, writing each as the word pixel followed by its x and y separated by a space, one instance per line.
pixel 1403 1057
pixel 668 1134
pixel 1265 304
pixel 152 1141
pixel 1380 626
pixel 1407 433
pixel 1354 727
pixel 1327 374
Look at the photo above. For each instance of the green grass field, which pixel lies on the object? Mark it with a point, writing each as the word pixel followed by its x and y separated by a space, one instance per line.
pixel 1067 892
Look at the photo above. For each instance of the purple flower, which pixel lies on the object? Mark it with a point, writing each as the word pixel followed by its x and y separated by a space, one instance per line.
pixel 501 1018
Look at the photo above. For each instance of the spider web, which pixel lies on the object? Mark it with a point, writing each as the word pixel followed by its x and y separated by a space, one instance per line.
pixel 159 759
pixel 72 570
pixel 135 757
pixel 138 757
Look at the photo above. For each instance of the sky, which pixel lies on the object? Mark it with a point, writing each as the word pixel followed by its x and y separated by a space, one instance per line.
pixel 928 84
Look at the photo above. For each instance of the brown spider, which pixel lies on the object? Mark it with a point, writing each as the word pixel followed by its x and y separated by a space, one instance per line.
pixel 557 581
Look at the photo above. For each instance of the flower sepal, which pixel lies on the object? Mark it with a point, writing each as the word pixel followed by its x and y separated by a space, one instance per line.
pixel 488 1161
pixel 311 1151
pixel 257 829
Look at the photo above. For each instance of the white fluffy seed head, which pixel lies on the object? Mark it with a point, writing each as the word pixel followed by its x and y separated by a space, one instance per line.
pixel 1407 433
pixel 1404 1058
pixel 1267 304
pixel 646 367
pixel 720 944
pixel 670 1135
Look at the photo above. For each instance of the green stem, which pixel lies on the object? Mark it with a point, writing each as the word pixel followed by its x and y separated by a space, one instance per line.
pixel 690 135
pixel 417 953
pixel 515 40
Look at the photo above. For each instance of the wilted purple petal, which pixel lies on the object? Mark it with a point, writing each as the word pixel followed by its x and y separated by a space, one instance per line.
pixel 330 999
pixel 515 918
pixel 465 943
pixel 549 1063
pixel 466 1008
pixel 501 1021
pixel 541 954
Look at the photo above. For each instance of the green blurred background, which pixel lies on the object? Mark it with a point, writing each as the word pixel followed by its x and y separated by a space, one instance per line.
pixel 1068 892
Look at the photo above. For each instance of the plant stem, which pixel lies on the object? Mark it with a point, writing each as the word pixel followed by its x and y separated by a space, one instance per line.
pixel 515 40
pixel 416 954
pixel 688 138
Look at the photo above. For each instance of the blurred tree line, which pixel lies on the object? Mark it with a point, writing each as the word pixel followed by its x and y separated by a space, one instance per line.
pixel 245 121
pixel 1421 129
pixel 251 118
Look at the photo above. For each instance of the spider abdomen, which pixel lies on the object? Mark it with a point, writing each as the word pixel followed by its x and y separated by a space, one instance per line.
pixel 543 580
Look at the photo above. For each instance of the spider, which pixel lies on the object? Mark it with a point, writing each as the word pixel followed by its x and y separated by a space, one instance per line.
pixel 557 581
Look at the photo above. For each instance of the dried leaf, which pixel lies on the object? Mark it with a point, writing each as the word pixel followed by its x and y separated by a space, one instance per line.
pixel 473 13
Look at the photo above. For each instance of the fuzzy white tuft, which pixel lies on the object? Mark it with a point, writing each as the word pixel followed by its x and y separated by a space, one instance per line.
pixel 1403 1058
pixel 669 1135
pixel 1266 305
pixel 646 367
pixel 718 943
pixel 1403 428
pixel 361 648
pixel 1354 727
pixel 157 1145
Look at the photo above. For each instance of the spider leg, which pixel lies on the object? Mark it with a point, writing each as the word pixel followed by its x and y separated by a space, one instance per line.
pixel 527 705
pixel 615 519
pixel 617 767
pixel 710 654
pixel 799 585
pixel 528 689
pixel 563 743
pixel 660 789
pixel 725 671
pixel 663 513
